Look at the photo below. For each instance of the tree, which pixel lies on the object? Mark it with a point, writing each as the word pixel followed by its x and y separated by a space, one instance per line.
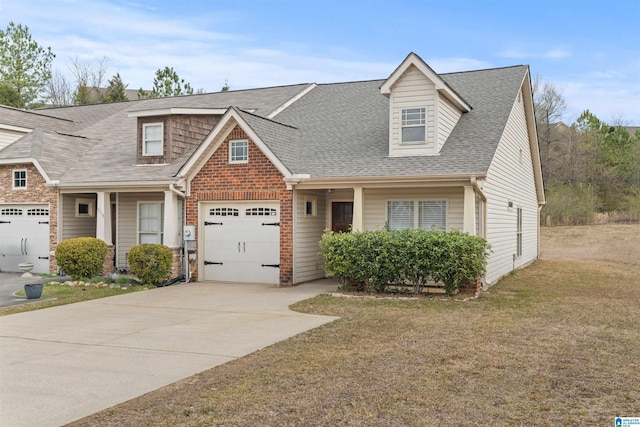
pixel 59 91
pixel 166 83
pixel 116 90
pixel 10 96
pixel 226 87
pixel 25 66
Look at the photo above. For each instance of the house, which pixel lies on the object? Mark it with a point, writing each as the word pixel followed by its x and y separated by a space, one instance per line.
pixel 242 184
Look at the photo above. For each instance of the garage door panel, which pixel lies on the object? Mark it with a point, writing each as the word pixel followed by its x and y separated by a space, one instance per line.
pixel 24 237
pixel 248 249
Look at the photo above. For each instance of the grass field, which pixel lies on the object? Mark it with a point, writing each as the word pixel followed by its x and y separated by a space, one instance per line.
pixel 554 344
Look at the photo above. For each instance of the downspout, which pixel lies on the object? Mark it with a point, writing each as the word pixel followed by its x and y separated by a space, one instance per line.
pixel 185 255
pixel 480 192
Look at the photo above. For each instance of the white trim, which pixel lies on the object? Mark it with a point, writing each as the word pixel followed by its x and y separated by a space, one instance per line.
pixel 217 136
pixel 13 179
pixel 144 139
pixel 34 161
pixel 281 108
pixel 231 146
pixel 174 110
pixel 15 128
pixel 91 211
pixel 416 208
pixel 161 219
pixel 441 85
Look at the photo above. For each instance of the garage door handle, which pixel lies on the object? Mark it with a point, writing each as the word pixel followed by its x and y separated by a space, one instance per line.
pixel 244 248
pixel 25 246
pixel 238 247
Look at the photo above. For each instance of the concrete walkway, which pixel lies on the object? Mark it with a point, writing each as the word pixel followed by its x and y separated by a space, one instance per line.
pixel 63 363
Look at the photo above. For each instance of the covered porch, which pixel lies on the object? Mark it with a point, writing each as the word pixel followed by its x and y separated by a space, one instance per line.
pixel 123 218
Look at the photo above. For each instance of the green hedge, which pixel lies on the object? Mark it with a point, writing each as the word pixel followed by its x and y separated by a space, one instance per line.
pixel 150 263
pixel 81 257
pixel 373 260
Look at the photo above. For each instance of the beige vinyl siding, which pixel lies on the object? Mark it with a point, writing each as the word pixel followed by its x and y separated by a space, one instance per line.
pixel 375 202
pixel 307 261
pixel 127 212
pixel 8 136
pixel 73 226
pixel 413 90
pixel 448 117
pixel 510 179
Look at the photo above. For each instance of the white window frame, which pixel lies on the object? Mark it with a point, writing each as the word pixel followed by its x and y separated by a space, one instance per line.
pixel 410 123
pixel 310 202
pixel 232 155
pixel 90 203
pixel 415 213
pixel 145 140
pixel 13 179
pixel 160 232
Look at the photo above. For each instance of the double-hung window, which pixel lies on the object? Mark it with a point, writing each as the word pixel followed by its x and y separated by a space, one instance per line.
pixel 413 125
pixel 152 139
pixel 239 151
pixel 150 222
pixel 19 179
pixel 417 213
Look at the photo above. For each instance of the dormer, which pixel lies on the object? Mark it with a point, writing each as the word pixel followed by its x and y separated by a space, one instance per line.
pixel 165 134
pixel 423 109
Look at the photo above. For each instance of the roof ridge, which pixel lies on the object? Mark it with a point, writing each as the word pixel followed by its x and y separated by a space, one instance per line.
pixel 23 110
pixel 264 118
pixel 484 69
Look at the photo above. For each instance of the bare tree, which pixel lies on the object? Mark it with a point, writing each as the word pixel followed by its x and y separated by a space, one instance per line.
pixel 59 91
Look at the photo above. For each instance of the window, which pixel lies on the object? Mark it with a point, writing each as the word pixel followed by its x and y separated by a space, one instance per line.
pixel 519 233
pixel 419 213
pixel 152 140
pixel 224 212
pixel 400 215
pixel 261 212
pixel 310 203
pixel 413 125
pixel 432 213
pixel 84 208
pixel 19 178
pixel 150 222
pixel 239 151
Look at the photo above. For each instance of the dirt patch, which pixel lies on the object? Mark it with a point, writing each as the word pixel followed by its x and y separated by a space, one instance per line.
pixel 618 243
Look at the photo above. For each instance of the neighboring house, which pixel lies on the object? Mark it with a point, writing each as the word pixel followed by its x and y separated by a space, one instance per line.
pixel 258 175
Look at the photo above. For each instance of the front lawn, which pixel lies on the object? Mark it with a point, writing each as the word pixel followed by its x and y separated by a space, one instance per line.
pixel 554 344
pixel 60 294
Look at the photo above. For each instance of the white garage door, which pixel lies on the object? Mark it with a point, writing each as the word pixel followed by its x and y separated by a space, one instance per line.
pixel 24 237
pixel 241 241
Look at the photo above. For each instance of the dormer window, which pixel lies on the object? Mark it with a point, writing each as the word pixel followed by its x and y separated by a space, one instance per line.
pixel 413 125
pixel 152 140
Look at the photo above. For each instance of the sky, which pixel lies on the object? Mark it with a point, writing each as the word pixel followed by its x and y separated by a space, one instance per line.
pixel 590 50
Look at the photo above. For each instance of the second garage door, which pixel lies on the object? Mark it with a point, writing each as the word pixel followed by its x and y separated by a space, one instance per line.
pixel 241 241
pixel 24 237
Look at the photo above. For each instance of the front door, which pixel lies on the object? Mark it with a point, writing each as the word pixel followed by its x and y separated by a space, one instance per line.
pixel 341 216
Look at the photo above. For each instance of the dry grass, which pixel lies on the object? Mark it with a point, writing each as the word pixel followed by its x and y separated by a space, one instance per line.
pixel 554 344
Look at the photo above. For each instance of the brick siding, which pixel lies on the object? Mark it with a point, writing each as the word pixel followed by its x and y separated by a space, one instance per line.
pixel 36 192
pixel 259 179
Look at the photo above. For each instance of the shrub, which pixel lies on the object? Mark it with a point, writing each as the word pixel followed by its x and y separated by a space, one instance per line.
pixel 150 263
pixel 374 259
pixel 81 256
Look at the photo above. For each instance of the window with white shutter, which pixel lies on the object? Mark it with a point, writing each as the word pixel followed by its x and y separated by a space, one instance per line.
pixel 432 213
pixel 399 214
pixel 417 213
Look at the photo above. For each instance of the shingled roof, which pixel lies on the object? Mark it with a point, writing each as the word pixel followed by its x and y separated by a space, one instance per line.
pixel 336 130
pixel 344 128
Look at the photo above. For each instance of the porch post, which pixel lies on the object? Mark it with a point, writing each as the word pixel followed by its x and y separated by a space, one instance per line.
pixel 358 209
pixel 103 217
pixel 171 219
pixel 469 224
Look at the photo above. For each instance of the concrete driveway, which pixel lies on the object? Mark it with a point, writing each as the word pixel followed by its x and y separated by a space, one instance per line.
pixel 10 283
pixel 63 363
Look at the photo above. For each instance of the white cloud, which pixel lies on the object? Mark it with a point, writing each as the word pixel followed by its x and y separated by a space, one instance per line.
pixel 558 52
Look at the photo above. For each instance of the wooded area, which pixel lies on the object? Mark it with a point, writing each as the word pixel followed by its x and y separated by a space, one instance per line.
pixel 591 169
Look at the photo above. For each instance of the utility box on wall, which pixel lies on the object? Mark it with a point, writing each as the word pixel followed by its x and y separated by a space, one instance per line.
pixel 189 232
